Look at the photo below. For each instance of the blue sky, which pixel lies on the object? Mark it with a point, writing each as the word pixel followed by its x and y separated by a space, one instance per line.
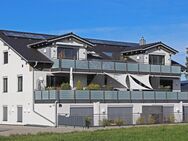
pixel 124 20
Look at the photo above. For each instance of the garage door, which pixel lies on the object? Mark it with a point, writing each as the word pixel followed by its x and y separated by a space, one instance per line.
pixel 124 113
pixel 168 111
pixel 77 116
pixel 155 111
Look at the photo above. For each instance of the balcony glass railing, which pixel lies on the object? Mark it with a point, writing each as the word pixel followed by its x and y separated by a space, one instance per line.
pixel 114 66
pixel 112 96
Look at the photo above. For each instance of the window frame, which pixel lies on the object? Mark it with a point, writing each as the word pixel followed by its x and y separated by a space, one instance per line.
pixel 63 51
pixel 5 119
pixel 5 60
pixel 20 89
pixel 5 85
pixel 156 59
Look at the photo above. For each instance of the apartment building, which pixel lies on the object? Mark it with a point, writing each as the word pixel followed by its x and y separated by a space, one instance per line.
pixel 59 80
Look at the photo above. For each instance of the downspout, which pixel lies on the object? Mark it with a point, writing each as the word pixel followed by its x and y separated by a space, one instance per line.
pixel 33 103
pixel 56 116
pixel 36 63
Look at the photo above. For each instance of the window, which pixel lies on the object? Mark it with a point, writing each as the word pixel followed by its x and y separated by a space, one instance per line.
pixel 157 59
pixel 5 57
pixel 166 85
pixel 55 81
pixel 5 113
pixel 5 84
pixel 19 114
pixel 20 83
pixel 105 80
pixel 67 53
pixel 90 78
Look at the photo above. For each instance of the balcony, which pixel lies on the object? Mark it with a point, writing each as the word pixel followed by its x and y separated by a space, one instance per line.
pixel 109 66
pixel 90 96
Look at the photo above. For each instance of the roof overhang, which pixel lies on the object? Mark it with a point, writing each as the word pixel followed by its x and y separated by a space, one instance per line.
pixel 50 41
pixel 140 49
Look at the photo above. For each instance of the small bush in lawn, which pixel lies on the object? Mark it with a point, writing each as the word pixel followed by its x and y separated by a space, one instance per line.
pixel 79 85
pixel 65 86
pixel 105 122
pixel 151 119
pixel 119 122
pixel 87 121
pixel 140 120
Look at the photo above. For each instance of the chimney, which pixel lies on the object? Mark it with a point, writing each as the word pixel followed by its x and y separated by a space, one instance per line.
pixel 142 41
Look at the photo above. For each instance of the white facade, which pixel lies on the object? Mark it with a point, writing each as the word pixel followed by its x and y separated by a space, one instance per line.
pixel 12 99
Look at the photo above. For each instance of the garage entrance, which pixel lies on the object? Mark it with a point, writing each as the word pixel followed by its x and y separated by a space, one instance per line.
pixel 77 117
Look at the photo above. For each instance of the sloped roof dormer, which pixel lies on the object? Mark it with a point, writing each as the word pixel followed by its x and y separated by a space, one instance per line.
pixel 58 39
pixel 142 48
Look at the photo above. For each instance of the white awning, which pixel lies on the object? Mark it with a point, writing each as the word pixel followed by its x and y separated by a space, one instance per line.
pixel 144 79
pixel 133 85
pixel 121 78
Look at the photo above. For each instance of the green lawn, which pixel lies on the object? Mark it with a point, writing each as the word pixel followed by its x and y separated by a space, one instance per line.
pixel 157 133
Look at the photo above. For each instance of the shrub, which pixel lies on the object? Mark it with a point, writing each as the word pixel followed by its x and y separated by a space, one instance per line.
pixel 79 85
pixel 93 86
pixel 65 86
pixel 50 88
pixel 108 87
pixel 171 119
pixel 151 119
pixel 119 122
pixel 105 122
pixel 140 120
pixel 87 121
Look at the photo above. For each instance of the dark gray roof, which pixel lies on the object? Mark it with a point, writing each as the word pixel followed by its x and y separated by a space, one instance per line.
pixel 174 63
pixel 112 43
pixel 146 46
pixel 19 42
pixel 19 45
pixel 48 41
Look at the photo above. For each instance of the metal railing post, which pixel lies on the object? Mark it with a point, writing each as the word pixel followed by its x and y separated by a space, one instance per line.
pixel 130 96
pixel 48 94
pixel 90 96
pixel 60 64
pixel 117 96
pixel 74 91
pixel 104 100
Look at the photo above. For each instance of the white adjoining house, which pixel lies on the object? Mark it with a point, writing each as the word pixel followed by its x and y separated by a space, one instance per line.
pixel 50 80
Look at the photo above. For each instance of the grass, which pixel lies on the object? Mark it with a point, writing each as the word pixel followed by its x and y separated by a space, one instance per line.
pixel 156 133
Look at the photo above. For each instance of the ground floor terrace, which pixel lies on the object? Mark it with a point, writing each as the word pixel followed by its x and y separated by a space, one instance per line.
pixel 109 82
